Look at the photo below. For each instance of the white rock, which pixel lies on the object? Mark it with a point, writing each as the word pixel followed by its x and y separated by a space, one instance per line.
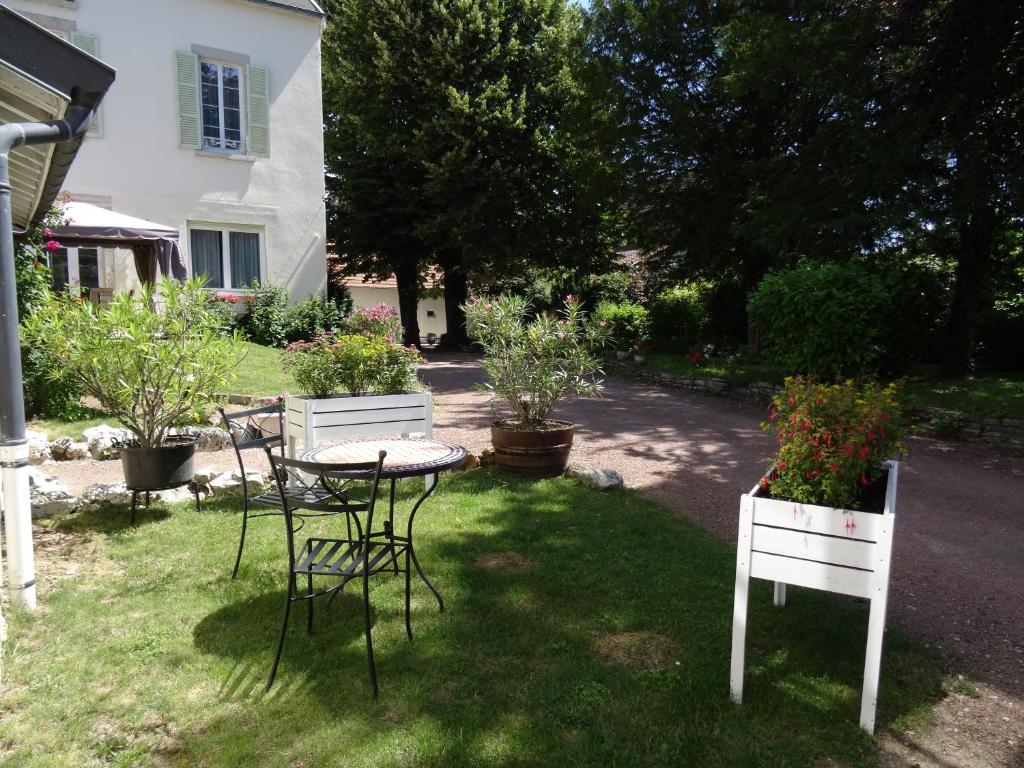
pixel 103 441
pixel 175 495
pixel 232 481
pixel 66 449
pixel 205 476
pixel 102 494
pixel 210 438
pixel 49 497
pixel 38 447
pixel 601 479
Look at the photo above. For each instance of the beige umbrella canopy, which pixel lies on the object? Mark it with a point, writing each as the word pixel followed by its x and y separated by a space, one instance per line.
pixel 155 246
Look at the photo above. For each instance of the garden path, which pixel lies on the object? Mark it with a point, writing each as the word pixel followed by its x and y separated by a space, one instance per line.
pixel 958 569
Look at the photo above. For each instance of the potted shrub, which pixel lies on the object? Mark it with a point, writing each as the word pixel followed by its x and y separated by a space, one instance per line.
pixel 360 381
pixel 153 361
pixel 531 364
pixel 823 515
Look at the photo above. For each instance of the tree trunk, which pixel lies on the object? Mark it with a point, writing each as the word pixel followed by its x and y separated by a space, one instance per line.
pixel 977 232
pixel 407 275
pixel 456 293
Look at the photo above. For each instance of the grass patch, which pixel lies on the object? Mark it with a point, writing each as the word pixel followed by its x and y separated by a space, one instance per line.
pixel 153 656
pixel 736 372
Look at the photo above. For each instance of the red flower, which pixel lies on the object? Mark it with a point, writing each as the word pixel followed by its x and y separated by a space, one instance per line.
pixel 863 479
pixel 864 453
pixel 52 245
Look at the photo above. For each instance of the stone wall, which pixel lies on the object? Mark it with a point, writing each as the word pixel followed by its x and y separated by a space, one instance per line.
pixel 935 422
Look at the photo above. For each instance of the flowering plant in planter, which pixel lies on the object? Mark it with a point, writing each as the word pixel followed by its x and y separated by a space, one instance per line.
pixel 832 440
pixel 532 364
pixel 352 363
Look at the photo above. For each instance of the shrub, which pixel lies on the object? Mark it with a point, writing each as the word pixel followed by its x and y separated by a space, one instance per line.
pixel 350 363
pixel 628 322
pixel 267 321
pixel 224 307
pixel 313 316
pixel 913 320
pixel 50 392
pixel 679 316
pixel 153 361
pixel 611 286
pixel 825 320
pixel 832 440
pixel 532 363
pixel 378 322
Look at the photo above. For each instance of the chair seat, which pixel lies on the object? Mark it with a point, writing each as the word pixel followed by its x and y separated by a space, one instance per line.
pixel 295 496
pixel 341 557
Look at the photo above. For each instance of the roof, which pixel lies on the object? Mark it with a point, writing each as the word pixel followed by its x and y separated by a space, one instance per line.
pixel 40 77
pixel 308 7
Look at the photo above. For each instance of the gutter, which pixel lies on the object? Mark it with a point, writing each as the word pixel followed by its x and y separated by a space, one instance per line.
pixel 14 452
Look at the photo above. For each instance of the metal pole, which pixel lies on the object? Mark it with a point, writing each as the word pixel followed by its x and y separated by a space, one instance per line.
pixel 17 507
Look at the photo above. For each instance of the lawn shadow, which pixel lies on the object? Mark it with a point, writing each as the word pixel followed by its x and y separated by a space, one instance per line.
pixel 541 574
pixel 110 519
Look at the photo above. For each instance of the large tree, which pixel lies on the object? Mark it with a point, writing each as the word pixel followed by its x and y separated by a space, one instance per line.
pixel 455 134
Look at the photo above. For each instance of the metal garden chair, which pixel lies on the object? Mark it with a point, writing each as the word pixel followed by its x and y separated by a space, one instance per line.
pixel 357 555
pixel 261 427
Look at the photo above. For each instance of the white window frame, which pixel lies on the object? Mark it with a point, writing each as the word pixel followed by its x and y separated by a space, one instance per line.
pixel 225 250
pixel 242 85
pixel 75 269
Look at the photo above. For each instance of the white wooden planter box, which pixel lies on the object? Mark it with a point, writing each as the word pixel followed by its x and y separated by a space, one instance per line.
pixel 836 550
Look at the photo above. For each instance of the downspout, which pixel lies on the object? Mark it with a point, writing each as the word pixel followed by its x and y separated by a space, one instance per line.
pixel 14 453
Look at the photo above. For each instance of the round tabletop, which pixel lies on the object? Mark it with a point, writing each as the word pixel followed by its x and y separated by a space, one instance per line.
pixel 406 456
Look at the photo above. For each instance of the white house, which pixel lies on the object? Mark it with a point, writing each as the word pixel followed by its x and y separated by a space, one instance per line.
pixel 213 127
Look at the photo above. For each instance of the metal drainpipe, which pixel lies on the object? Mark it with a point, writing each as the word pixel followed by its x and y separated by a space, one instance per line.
pixel 13 445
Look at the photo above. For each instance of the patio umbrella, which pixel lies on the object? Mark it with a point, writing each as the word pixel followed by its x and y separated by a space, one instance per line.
pixel 155 245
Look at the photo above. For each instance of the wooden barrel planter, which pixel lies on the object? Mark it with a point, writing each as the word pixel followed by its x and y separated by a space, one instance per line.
pixel 536 453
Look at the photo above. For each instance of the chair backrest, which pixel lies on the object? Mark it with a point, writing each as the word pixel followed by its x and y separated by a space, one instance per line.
pixel 248 429
pixel 319 491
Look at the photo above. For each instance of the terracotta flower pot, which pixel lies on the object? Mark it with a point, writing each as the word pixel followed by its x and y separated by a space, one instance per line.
pixel 538 453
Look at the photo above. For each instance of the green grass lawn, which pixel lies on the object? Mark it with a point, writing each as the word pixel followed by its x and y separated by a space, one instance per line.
pixel 581 629
pixel 990 394
pixel 259 373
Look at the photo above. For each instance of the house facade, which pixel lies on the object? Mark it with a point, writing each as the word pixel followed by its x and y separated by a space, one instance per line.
pixel 213 127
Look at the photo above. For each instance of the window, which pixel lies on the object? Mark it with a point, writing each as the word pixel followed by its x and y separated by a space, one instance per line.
pixel 228 257
pixel 221 97
pixel 75 267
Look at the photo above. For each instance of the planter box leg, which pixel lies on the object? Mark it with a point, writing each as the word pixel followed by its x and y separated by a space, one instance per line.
pixel 739 614
pixel 872 665
pixel 780 594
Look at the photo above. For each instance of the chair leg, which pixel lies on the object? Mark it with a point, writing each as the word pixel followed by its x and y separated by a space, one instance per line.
pixel 366 621
pixel 408 585
pixel 135 501
pixel 241 539
pixel 194 487
pixel 309 604
pixel 284 630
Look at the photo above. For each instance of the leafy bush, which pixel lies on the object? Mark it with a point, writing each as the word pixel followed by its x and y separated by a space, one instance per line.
pixel 229 309
pixel 679 316
pixel 824 319
pixel 628 322
pixel 532 364
pixel 313 316
pixel 153 360
pixel 611 286
pixel 349 363
pixel 378 322
pixel 999 335
pixel 50 392
pixel 267 321
pixel 913 320
pixel 833 440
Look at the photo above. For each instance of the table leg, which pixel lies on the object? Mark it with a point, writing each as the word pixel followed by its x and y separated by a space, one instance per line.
pixel 412 549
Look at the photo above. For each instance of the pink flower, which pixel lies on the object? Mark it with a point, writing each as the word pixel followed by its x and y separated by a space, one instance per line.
pixel 48 232
pixel 52 245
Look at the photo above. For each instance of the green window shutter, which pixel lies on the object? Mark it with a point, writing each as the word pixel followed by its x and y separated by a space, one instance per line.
pixel 257 112
pixel 187 72
pixel 91 45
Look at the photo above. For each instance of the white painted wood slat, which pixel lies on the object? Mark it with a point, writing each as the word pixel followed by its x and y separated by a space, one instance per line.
pixel 810 546
pixel 804 573
pixel 850 524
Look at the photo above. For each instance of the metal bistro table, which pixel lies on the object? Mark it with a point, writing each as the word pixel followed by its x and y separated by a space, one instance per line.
pixel 406 457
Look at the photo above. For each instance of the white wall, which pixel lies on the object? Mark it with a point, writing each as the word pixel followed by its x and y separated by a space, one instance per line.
pixel 365 296
pixel 137 162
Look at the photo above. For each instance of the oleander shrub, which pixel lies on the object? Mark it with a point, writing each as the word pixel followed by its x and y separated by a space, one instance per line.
pixel 378 322
pixel 50 391
pixel 630 323
pixel 823 319
pixel 833 440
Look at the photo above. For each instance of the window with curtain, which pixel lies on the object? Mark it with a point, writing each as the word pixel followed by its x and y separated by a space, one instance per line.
pixel 228 256
pixel 221 96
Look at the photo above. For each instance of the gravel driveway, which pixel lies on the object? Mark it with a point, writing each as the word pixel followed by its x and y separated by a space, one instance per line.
pixel 958 566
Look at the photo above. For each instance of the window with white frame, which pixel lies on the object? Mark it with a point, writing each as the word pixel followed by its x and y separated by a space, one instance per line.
pixel 228 256
pixel 75 268
pixel 221 101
